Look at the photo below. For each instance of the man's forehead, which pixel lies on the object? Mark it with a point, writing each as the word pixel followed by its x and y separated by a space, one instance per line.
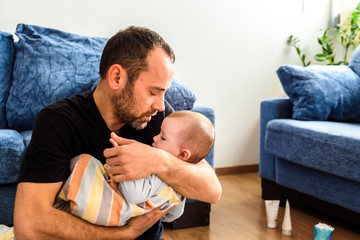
pixel 154 81
pixel 160 64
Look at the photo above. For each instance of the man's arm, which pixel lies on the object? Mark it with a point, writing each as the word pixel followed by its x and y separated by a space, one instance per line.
pixel 197 181
pixel 36 218
pixel 132 160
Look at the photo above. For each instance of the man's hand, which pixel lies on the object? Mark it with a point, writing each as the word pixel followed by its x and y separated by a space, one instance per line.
pixel 130 160
pixel 140 224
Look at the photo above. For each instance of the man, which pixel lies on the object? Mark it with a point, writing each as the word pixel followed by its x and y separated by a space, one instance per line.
pixel 136 69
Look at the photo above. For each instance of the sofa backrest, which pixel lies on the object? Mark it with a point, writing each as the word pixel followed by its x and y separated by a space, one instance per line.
pixel 52 64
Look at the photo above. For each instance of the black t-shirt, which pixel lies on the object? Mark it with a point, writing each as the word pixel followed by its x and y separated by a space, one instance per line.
pixel 70 127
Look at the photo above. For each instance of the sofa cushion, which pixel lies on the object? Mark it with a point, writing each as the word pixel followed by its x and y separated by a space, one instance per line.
pixel 49 65
pixel 322 92
pixel 337 190
pixel 306 143
pixel 7 50
pixel 12 148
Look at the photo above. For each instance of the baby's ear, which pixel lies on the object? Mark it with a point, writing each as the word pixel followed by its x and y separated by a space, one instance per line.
pixel 184 154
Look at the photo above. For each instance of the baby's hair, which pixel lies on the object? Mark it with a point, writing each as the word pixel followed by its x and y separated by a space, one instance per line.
pixel 198 134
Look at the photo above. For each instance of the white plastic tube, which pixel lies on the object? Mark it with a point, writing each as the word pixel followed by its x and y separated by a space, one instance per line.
pixel 287 227
pixel 272 209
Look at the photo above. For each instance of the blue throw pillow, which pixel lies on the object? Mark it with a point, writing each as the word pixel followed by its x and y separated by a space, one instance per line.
pixel 354 63
pixel 322 92
pixel 7 52
pixel 179 96
pixel 49 65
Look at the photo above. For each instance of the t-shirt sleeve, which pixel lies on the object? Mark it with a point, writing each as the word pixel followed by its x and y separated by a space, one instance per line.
pixel 47 158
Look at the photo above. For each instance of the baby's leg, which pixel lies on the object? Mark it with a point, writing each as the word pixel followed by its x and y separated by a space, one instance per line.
pixel 89 194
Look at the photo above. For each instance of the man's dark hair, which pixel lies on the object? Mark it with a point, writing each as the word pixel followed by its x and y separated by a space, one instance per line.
pixel 130 48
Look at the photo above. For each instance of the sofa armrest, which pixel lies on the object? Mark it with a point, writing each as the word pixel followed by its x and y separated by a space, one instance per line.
pixel 272 108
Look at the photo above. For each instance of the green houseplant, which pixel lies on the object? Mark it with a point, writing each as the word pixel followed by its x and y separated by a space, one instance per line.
pixel 348 35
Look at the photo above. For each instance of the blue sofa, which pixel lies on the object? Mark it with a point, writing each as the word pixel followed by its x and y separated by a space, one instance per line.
pixel 44 66
pixel 310 140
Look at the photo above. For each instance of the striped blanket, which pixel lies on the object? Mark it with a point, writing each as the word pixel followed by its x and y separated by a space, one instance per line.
pixel 6 233
pixel 89 194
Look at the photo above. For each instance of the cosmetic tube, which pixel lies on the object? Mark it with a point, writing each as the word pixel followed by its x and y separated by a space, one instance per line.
pixel 272 209
pixel 286 227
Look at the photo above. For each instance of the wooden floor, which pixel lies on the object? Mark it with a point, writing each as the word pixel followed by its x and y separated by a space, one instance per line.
pixel 240 214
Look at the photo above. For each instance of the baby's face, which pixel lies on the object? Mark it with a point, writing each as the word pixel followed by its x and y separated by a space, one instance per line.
pixel 169 137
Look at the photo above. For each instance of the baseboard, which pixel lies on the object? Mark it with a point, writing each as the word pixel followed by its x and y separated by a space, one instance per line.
pixel 237 169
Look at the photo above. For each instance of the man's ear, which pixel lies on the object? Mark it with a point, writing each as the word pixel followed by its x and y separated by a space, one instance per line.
pixel 117 77
pixel 184 154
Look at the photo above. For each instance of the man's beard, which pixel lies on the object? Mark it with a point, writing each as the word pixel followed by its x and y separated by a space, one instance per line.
pixel 124 105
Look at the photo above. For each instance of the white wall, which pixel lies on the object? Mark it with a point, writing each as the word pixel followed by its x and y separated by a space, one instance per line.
pixel 227 51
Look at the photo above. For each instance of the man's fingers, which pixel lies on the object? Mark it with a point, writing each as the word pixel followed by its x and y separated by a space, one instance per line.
pixel 116 141
pixel 119 140
pixel 128 158
pixel 157 213
pixel 115 144
pixel 118 173
pixel 141 223
pixel 124 177
pixel 109 153
pixel 119 178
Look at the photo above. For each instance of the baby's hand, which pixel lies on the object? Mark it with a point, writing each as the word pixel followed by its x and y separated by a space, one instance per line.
pixel 107 167
pixel 112 184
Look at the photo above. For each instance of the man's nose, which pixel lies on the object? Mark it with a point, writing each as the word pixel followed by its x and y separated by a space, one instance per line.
pixel 159 104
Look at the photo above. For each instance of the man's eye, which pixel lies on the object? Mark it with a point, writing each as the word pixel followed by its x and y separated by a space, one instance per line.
pixel 154 93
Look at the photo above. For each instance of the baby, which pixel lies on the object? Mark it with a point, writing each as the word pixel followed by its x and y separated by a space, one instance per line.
pixel 90 194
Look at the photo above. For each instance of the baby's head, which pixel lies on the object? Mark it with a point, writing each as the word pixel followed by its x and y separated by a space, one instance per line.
pixel 187 135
